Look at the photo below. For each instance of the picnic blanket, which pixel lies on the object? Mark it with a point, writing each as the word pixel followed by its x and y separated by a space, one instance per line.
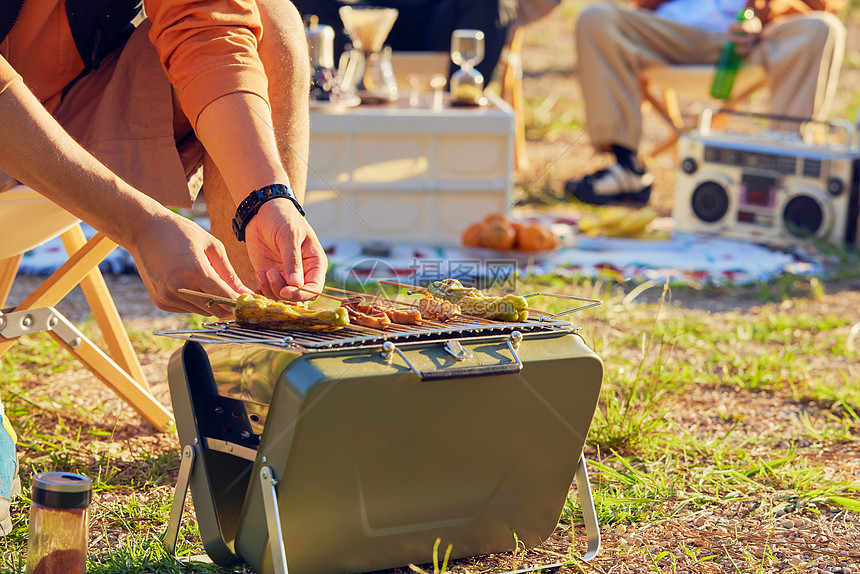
pixel 686 258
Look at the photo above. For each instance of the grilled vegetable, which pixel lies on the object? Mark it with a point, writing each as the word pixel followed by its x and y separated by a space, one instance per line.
pixel 259 311
pixel 472 302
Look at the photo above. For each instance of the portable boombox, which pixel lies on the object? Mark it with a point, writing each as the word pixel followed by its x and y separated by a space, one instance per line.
pixel 769 186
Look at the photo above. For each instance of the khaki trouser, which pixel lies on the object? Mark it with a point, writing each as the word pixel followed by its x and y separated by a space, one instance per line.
pixel 802 55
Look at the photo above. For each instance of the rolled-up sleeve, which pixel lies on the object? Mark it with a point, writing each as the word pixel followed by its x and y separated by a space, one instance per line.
pixel 8 75
pixel 208 49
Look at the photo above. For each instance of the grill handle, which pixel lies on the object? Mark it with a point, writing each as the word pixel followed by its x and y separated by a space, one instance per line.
pixel 465 372
pixel 513 343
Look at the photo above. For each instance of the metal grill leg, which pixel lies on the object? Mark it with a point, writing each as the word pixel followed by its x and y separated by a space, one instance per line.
pixel 172 534
pixel 589 513
pixel 273 520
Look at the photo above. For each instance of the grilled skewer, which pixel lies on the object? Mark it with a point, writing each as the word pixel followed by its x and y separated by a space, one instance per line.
pixel 259 311
pixel 373 315
pixel 426 318
pixel 472 302
pixel 532 311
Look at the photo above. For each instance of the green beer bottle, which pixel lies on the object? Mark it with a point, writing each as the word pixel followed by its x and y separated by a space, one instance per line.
pixel 728 65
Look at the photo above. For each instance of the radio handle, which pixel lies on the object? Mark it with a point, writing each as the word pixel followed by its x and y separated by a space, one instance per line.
pixel 707 116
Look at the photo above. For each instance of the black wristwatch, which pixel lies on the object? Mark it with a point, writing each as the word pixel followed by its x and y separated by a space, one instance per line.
pixel 251 205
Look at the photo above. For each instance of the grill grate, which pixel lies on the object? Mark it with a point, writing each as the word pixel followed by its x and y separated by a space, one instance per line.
pixel 352 337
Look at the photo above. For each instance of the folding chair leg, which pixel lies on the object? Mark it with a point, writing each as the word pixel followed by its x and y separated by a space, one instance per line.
pixel 64 279
pixel 105 312
pixel 8 270
pixel 79 266
pixel 16 324
pixel 70 274
pixel 512 93
pixel 667 108
pixel 116 379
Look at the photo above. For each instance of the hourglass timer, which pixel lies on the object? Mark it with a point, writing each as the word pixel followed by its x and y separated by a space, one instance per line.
pixel 467 83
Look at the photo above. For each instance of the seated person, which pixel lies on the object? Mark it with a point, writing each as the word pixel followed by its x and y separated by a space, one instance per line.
pixel 802 53
pixel 426 25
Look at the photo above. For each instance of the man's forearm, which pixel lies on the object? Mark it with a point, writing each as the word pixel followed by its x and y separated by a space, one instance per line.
pixel 238 134
pixel 37 151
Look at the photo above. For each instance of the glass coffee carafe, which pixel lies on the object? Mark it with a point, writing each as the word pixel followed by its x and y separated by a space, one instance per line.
pixel 366 66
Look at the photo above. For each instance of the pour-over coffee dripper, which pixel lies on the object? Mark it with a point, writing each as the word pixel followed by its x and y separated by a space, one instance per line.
pixel 367 66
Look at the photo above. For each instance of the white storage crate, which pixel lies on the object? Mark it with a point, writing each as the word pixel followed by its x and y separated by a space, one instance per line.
pixel 400 172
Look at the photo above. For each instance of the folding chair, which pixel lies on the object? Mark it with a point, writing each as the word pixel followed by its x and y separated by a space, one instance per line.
pixel 662 85
pixel 28 220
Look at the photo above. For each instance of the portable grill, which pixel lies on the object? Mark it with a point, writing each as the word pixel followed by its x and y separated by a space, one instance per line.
pixel 355 451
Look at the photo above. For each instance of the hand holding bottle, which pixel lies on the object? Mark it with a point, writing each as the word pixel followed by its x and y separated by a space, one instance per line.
pixel 731 57
pixel 745 34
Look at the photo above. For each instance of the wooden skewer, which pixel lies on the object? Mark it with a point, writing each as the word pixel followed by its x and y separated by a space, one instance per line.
pixel 357 294
pixel 214 298
pixel 404 285
pixel 312 292
pixel 361 328
pixel 348 292
pixel 342 299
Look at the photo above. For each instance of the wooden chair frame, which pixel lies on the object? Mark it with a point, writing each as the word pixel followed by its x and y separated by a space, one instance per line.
pixel 663 98
pixel 511 90
pixel 121 371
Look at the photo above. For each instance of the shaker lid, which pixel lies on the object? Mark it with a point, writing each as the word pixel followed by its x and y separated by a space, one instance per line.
pixel 62 490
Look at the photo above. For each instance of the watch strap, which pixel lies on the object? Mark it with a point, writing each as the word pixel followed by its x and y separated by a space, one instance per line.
pixel 249 206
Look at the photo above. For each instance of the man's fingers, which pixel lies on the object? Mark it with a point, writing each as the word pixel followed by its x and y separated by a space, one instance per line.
pixel 315 267
pixel 217 278
pixel 294 275
pixel 222 269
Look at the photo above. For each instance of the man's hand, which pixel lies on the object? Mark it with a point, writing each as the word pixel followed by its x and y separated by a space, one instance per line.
pixel 174 253
pixel 285 252
pixel 745 35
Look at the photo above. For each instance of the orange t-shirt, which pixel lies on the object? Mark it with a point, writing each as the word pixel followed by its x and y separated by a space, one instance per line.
pixel 40 48
pixel 208 49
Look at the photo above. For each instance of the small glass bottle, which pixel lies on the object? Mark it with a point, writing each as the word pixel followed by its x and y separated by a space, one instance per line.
pixel 729 63
pixel 59 521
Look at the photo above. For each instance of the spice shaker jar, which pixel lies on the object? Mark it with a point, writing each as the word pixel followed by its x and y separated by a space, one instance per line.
pixel 59 520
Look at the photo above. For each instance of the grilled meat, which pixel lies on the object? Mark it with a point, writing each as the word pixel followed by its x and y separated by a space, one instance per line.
pixel 401 316
pixel 404 316
pixel 366 315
